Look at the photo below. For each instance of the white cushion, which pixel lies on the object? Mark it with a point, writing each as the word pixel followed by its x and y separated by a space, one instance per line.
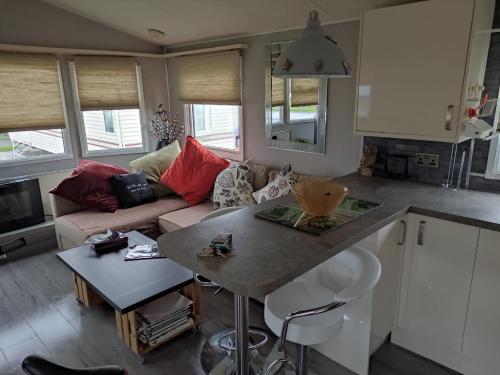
pixel 298 296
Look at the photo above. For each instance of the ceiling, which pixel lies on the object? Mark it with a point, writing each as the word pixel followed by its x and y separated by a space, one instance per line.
pixel 185 21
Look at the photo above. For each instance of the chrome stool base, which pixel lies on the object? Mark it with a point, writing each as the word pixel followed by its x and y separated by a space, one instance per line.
pixel 213 355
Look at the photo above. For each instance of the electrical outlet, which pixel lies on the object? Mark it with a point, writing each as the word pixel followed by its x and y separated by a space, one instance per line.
pixel 427 160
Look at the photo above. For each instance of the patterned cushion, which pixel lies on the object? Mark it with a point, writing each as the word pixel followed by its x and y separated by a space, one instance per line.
pixel 233 186
pixel 281 185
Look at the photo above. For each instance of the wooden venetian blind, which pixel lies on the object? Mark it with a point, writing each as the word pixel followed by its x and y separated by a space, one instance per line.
pixel 277 91
pixel 304 91
pixel 30 93
pixel 106 82
pixel 212 78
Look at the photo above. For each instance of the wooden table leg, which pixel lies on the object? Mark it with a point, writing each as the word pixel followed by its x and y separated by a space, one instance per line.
pixel 193 292
pixel 83 293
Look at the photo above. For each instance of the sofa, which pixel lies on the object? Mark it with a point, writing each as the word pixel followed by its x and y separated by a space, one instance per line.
pixel 74 224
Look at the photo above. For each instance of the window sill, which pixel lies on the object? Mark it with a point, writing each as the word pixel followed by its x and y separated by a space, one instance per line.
pixel 35 159
pixel 111 152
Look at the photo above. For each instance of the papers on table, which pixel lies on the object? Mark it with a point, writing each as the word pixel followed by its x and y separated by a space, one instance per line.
pixel 164 318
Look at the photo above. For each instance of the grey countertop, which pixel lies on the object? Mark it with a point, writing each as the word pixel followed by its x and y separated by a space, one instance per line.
pixel 268 255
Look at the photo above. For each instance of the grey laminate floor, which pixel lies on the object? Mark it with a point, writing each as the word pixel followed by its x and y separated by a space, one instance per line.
pixel 38 314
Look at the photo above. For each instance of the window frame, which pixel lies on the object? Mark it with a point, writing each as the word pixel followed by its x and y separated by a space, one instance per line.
pixel 237 155
pixel 81 124
pixel 68 149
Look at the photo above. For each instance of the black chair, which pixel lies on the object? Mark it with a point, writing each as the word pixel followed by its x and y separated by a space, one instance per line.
pixel 36 365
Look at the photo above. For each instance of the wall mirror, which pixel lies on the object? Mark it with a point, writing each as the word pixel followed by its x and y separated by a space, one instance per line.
pixel 295 108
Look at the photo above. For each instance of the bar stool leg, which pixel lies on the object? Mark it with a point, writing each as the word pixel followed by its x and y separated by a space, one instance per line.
pixel 241 320
pixel 302 358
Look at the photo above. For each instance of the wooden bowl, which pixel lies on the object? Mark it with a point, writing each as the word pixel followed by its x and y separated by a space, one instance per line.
pixel 319 198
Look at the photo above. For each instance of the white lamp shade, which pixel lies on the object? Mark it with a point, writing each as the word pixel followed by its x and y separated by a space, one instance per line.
pixel 313 55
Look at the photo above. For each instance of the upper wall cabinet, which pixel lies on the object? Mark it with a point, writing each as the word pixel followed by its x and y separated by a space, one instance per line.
pixel 415 64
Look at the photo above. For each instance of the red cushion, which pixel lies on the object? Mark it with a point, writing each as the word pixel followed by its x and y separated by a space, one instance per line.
pixel 192 175
pixel 90 186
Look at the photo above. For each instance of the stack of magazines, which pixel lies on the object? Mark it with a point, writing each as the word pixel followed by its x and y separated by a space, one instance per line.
pixel 164 318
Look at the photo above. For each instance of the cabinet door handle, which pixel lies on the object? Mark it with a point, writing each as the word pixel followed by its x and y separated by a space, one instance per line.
pixel 403 233
pixel 449 117
pixel 421 227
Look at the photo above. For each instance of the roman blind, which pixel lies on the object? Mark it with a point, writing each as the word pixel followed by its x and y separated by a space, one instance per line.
pixel 277 91
pixel 30 93
pixel 211 78
pixel 106 82
pixel 305 91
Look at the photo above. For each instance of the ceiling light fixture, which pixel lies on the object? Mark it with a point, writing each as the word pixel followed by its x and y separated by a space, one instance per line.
pixel 313 55
pixel 155 33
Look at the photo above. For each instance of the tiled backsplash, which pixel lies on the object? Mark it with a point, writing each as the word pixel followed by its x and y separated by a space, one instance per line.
pixel 438 176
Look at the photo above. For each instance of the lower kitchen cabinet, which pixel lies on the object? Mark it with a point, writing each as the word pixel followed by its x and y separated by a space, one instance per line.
pixel 436 281
pixel 481 346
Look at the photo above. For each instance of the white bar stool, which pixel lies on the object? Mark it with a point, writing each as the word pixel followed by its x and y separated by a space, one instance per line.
pixel 309 314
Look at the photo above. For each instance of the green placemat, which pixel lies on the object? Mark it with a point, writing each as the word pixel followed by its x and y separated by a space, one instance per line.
pixel 291 215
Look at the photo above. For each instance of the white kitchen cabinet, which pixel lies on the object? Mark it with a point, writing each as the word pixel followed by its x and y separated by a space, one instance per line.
pixel 414 66
pixel 481 346
pixel 435 285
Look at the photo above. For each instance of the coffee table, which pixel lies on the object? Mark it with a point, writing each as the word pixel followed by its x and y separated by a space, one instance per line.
pixel 128 285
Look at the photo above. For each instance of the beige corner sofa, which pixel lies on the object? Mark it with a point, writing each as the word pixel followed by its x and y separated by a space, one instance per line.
pixel 74 224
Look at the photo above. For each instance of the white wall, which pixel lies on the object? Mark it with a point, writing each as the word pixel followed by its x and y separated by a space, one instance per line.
pixel 343 149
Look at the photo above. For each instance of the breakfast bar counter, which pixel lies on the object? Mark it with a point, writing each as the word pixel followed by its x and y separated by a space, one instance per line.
pixel 268 255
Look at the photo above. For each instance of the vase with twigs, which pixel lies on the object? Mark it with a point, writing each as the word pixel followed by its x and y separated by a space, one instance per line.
pixel 165 128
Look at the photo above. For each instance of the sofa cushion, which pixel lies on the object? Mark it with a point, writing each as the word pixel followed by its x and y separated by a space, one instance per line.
pixel 155 164
pixel 298 177
pixel 132 189
pixel 233 186
pixel 184 218
pixel 90 186
pixel 78 226
pixel 193 173
pixel 260 176
pixel 281 185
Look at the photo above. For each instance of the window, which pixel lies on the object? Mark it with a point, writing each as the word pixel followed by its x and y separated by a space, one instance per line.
pixel 278 100
pixel 112 129
pixel 216 126
pixel 109 95
pixel 31 144
pixel 210 86
pixel 32 117
pixel 294 100
pixel 109 127
pixel 493 165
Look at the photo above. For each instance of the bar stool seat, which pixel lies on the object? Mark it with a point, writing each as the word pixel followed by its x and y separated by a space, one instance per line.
pixel 298 296
pixel 310 311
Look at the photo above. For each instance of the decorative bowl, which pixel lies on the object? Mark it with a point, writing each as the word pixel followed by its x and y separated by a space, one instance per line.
pixel 319 198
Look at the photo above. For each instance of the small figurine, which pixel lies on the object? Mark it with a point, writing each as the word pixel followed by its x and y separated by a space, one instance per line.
pixel 367 160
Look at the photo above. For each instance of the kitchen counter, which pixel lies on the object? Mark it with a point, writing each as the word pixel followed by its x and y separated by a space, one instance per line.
pixel 269 255
pixel 470 207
